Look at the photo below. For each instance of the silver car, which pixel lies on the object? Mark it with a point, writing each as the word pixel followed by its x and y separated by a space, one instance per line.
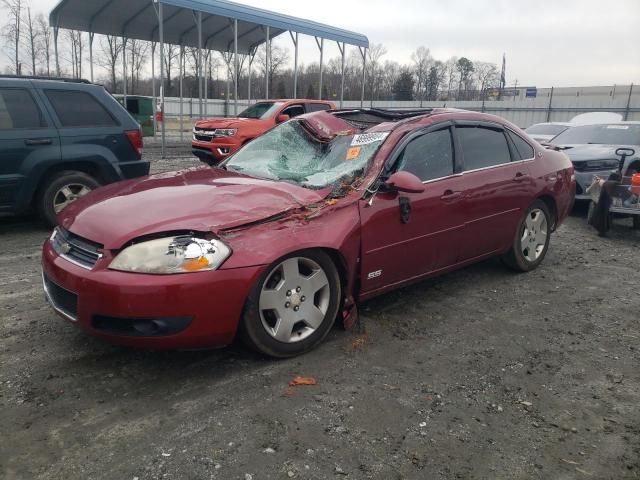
pixel 592 149
pixel 545 132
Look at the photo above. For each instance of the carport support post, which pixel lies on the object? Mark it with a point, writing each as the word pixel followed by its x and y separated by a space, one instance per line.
pixel 56 30
pixel 252 56
pixel 124 71
pixel 363 52
pixel 321 47
pixel 295 64
pixel 199 21
pixel 267 58
pixel 181 92
pixel 342 47
pixel 236 66
pixel 153 86
pixel 91 37
pixel 164 120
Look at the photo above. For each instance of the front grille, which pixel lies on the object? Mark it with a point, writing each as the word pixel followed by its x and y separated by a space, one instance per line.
pixel 62 300
pixel 78 250
pixel 595 165
pixel 203 138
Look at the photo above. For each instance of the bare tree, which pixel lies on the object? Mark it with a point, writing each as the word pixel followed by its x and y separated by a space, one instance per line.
pixel 33 39
pixel 75 40
pixel 171 54
pixel 486 75
pixel 110 50
pixel 376 52
pixel 451 69
pixel 422 63
pixel 13 30
pixel 277 59
pixel 137 50
pixel 44 34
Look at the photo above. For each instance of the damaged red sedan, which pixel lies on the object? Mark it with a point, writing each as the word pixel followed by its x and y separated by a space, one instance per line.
pixel 293 230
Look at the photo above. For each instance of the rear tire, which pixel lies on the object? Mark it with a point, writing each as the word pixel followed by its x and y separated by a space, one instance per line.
pixel 60 191
pixel 531 241
pixel 292 306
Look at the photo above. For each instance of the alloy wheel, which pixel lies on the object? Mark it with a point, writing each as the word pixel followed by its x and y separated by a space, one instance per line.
pixel 69 194
pixel 294 300
pixel 534 235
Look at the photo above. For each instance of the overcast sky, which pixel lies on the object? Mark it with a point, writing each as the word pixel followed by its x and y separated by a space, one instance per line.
pixel 547 42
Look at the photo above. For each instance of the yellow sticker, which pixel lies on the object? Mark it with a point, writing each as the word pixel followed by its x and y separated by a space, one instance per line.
pixel 353 153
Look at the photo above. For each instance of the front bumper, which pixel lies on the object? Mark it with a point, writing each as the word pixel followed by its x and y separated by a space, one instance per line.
pixel 190 311
pixel 584 181
pixel 215 151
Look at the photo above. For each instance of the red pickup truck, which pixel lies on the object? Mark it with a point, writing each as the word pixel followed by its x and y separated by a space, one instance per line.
pixel 217 138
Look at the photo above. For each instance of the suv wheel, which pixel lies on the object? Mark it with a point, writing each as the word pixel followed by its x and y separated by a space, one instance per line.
pixel 62 190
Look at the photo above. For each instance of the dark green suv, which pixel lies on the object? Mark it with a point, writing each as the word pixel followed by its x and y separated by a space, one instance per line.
pixel 60 139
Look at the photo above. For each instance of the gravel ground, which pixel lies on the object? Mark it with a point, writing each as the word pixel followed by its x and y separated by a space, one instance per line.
pixel 478 374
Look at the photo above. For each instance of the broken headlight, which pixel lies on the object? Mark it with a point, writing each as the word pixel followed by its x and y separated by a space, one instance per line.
pixel 183 254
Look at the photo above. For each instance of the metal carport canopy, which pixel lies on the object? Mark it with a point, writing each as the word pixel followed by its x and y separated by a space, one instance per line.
pixel 138 19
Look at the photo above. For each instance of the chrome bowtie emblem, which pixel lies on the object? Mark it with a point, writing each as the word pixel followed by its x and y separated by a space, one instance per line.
pixel 65 247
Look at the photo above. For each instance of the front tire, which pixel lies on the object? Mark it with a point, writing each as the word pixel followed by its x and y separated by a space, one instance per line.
pixel 293 305
pixel 531 242
pixel 62 190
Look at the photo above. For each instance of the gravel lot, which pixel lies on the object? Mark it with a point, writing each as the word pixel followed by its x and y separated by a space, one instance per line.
pixel 479 374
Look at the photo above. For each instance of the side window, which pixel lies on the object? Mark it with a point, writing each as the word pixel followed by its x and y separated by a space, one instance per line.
pixel 429 157
pixel 523 149
pixel 318 107
pixel 19 110
pixel 79 109
pixel 293 111
pixel 483 147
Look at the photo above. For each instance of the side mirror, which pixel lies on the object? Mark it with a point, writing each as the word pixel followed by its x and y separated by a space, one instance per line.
pixel 282 118
pixel 405 182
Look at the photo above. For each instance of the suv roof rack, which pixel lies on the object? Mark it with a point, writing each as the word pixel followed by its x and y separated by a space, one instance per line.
pixel 37 77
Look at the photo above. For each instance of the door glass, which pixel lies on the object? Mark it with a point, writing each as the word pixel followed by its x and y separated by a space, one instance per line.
pixel 18 110
pixel 428 157
pixel 483 147
pixel 317 107
pixel 524 151
pixel 79 109
pixel 294 111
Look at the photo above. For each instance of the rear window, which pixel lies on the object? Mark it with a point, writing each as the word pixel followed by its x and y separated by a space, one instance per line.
pixel 524 151
pixel 18 109
pixel 546 129
pixel 318 107
pixel 79 109
pixel 483 147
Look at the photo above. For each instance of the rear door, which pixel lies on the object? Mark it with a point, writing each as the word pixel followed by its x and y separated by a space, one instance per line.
pixel 88 129
pixel 397 246
pixel 28 140
pixel 497 188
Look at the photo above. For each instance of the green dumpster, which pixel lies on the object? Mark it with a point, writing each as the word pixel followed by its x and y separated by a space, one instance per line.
pixel 141 108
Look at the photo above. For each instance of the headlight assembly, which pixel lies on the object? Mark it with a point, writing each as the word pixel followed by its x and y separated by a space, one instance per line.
pixel 225 132
pixel 172 255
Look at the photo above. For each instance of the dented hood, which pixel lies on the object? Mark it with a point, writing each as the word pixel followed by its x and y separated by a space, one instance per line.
pixel 200 199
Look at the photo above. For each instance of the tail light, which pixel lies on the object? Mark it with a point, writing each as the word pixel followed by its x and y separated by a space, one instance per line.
pixel 135 138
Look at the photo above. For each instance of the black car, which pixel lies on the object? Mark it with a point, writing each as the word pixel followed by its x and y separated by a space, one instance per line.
pixel 60 139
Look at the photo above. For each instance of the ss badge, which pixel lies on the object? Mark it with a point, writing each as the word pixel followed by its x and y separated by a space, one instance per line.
pixel 373 275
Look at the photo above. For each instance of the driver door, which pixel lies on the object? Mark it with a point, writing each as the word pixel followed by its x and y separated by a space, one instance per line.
pixel 407 236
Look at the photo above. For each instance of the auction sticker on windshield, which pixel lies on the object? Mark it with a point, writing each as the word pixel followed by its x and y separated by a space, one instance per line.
pixel 368 138
pixel 353 153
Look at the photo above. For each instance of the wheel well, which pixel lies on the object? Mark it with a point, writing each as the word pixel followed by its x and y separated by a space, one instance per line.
pixel 550 202
pixel 87 168
pixel 340 264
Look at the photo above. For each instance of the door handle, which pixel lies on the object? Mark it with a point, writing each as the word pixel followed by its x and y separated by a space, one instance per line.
pixel 450 196
pixel 521 177
pixel 38 141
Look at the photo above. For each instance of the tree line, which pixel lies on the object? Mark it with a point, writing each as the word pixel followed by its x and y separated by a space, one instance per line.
pixel 29 48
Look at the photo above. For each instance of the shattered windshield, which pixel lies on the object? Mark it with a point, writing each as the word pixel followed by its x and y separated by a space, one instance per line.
pixel 261 110
pixel 292 153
